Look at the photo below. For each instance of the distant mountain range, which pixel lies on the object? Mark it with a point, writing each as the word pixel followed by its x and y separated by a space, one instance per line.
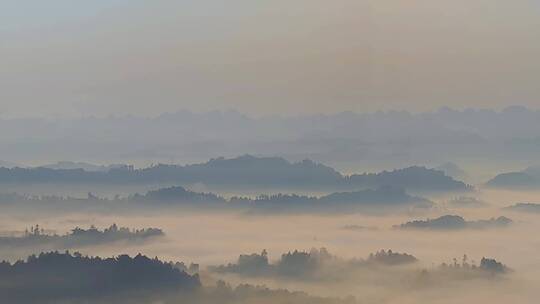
pixel 69 165
pixel 375 140
pixel 241 172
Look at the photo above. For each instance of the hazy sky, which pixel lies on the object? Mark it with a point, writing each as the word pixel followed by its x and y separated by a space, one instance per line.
pixel 65 57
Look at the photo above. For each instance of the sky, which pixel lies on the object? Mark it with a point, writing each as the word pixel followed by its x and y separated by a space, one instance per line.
pixel 78 58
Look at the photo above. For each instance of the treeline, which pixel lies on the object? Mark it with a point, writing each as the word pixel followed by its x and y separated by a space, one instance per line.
pixel 64 276
pixel 465 269
pixel 486 264
pixel 243 171
pixel 455 222
pixel 315 264
pixel 385 265
pixel 78 237
pixel 382 199
pixel 55 277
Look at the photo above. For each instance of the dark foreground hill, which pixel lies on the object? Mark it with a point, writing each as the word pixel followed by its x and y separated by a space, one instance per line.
pixel 54 276
pixel 71 278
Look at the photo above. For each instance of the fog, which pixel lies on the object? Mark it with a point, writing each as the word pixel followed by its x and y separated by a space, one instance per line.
pixel 269 152
pixel 465 243
pixel 211 239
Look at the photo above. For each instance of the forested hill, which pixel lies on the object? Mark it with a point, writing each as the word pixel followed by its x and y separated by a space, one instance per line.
pixel 243 171
pixel 54 276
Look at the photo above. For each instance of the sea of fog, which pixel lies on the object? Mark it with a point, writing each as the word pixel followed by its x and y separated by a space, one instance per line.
pixel 212 239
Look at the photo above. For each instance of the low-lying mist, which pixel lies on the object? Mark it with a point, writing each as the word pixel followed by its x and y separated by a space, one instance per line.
pixel 215 238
